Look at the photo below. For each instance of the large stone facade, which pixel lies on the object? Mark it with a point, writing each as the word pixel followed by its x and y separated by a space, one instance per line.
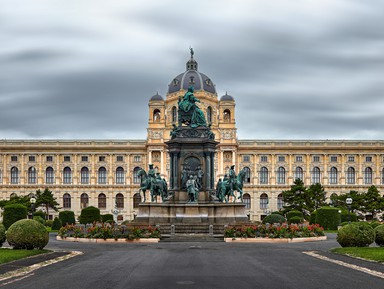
pixel 90 172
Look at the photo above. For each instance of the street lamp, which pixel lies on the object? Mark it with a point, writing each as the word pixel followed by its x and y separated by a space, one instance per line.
pixel 33 201
pixel 349 203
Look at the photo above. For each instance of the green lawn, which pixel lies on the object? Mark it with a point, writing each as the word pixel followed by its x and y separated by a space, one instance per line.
pixel 8 255
pixel 369 253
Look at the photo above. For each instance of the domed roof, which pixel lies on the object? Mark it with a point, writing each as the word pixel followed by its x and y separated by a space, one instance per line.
pixel 227 97
pixel 191 76
pixel 157 96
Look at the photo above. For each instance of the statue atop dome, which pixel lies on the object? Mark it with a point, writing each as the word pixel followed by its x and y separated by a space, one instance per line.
pixel 189 113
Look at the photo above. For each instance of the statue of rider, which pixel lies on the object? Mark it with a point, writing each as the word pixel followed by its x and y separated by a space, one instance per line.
pixel 232 178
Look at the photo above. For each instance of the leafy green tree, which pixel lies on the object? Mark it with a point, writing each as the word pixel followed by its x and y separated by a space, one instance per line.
pixel 23 200
pixel 371 202
pixel 340 200
pixel 295 198
pixel 315 197
pixel 47 200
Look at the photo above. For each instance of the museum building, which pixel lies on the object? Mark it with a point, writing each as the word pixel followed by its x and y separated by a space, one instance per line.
pixel 103 173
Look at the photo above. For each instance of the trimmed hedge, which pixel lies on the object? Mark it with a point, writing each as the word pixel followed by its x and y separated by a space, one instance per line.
pixel 344 216
pixel 278 213
pixel 328 218
pixel 294 213
pixel 358 234
pixel 273 219
pixel 295 220
pixel 374 224
pixel 13 213
pixel 2 234
pixel 312 217
pixel 89 215
pixel 27 234
pixel 379 235
pixel 40 213
pixel 49 223
pixel 56 225
pixel 106 218
pixel 67 218
pixel 39 219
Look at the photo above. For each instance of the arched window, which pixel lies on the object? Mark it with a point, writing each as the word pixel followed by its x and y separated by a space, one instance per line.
pixel 247 200
pixel 120 201
pixel 156 115
pixel 280 201
pixel 264 201
pixel 263 175
pixel 247 178
pixel 32 175
pixel 102 201
pixel 120 177
pixel 136 179
pixel 49 175
pixel 333 176
pixel 368 175
pixel 350 175
pixel 227 115
pixel 174 114
pixel 209 114
pixel 299 173
pixel 84 200
pixel 136 200
pixel 281 175
pixel 315 175
pixel 67 175
pixel 14 175
pixel 66 201
pixel 102 175
pixel 84 175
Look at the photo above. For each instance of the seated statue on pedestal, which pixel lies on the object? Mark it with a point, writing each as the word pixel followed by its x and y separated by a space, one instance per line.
pixel 189 113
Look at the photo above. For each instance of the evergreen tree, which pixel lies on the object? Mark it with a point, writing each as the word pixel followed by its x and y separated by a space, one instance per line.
pixel 316 197
pixel 295 198
pixel 372 202
pixel 15 199
pixel 47 200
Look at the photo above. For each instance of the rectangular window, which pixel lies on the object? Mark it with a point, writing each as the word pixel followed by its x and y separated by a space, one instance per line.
pixel 263 158
pixel 316 158
pixel 333 158
pixel 101 158
pixel 246 158
pixel 137 159
pixel 32 158
pixel 368 159
pixel 13 158
pixel 84 158
pixel 351 158
pixel 281 158
pixel 67 158
pixel 119 158
pixel 299 158
pixel 49 158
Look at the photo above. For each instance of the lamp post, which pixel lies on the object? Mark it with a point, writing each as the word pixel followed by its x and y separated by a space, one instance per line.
pixel 349 203
pixel 33 201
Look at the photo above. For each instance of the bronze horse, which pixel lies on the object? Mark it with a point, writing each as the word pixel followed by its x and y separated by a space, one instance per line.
pixel 159 187
pixel 225 190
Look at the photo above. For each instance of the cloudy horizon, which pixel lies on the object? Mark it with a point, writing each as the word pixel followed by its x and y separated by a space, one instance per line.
pixel 87 69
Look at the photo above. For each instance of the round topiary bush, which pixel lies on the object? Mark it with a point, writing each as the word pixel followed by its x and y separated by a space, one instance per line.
pixel 379 235
pixel 27 234
pixel 359 234
pixel 328 218
pixel 39 219
pixel 295 220
pixel 374 224
pixel 89 215
pixel 56 225
pixel 2 234
pixel 294 213
pixel 274 218
pixel 13 213
pixel 67 218
pixel 106 218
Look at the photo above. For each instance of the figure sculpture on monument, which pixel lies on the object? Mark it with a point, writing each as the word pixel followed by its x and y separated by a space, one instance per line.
pixel 232 178
pixel 200 174
pixel 231 183
pixel 189 112
pixel 184 178
pixel 192 190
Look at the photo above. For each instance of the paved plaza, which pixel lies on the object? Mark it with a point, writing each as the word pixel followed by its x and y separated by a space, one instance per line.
pixel 199 265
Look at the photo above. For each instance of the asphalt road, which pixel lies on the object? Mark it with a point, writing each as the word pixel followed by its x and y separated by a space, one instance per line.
pixel 196 265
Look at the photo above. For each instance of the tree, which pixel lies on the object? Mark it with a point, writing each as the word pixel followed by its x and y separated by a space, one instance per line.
pixel 15 199
pixel 315 197
pixel 340 200
pixel 371 201
pixel 295 198
pixel 47 200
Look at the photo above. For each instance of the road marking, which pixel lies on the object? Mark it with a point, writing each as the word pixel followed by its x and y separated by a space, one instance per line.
pixel 26 271
pixel 351 266
pixel 17 279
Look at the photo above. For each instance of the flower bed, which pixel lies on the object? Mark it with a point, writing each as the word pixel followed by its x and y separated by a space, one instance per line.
pixel 278 232
pixel 106 231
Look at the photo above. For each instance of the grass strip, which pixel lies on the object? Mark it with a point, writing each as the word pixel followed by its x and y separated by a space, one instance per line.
pixel 368 253
pixel 8 255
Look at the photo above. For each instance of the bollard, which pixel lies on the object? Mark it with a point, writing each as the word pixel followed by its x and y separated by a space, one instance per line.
pixel 211 230
pixel 172 229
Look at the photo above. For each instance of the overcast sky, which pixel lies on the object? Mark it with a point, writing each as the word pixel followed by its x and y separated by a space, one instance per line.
pixel 298 69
